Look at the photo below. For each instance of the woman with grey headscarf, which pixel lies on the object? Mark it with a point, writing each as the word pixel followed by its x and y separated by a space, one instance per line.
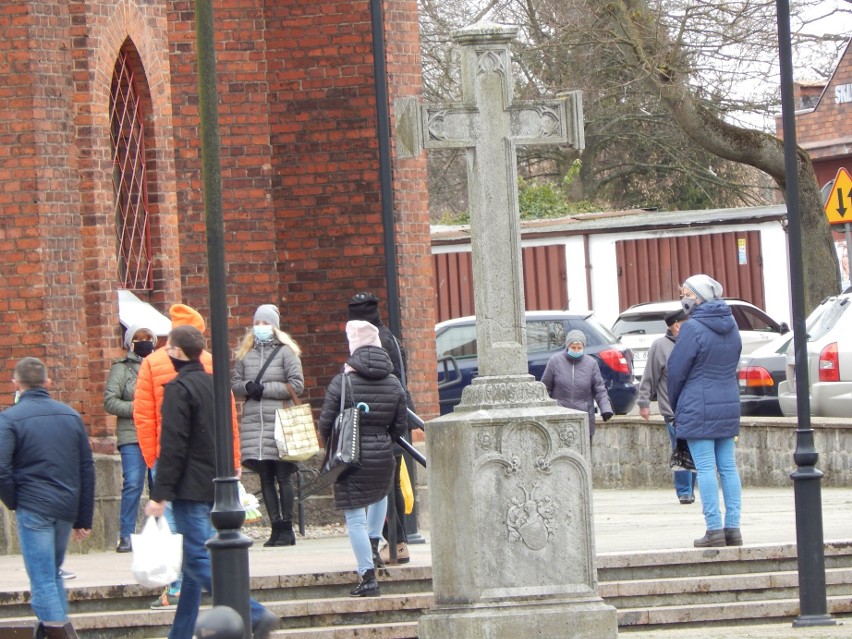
pixel 574 380
pixel 705 400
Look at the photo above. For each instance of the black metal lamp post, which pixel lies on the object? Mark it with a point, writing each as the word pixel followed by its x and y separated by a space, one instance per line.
pixel 229 547
pixel 813 607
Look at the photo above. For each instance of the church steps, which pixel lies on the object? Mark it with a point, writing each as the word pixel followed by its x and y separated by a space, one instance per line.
pixel 670 588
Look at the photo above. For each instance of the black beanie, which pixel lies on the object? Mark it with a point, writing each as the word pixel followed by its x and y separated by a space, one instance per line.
pixel 365 306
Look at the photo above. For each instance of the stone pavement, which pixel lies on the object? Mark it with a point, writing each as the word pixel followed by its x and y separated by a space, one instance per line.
pixel 625 520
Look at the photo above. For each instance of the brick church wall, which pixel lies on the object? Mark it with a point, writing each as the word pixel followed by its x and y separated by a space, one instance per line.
pixel 300 180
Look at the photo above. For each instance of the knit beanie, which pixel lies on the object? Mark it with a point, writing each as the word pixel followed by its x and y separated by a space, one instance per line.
pixel 135 328
pixel 183 315
pixel 704 286
pixel 365 306
pixel 361 333
pixel 575 336
pixel 268 313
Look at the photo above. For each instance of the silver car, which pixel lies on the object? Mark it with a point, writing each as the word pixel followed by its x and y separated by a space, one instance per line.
pixel 829 362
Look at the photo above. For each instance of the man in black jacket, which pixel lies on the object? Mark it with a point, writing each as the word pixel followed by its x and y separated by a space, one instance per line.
pixel 186 469
pixel 47 476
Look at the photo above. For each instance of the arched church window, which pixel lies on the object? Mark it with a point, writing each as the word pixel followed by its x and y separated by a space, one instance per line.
pixel 129 179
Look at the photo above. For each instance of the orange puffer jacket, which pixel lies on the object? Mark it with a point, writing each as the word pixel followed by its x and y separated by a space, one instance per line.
pixel 154 373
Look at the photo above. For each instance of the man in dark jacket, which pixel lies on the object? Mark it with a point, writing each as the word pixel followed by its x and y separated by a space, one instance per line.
pixel 705 399
pixel 655 382
pixel 185 472
pixel 47 476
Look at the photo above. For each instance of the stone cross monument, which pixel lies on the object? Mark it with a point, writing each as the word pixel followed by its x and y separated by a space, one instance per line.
pixel 510 483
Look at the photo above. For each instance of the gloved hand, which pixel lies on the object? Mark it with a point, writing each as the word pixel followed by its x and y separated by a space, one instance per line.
pixel 254 391
pixel 606 416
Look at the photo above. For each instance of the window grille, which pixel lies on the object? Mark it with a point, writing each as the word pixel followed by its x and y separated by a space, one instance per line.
pixel 129 177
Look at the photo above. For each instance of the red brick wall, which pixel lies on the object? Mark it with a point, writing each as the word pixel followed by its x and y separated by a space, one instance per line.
pixel 826 132
pixel 300 179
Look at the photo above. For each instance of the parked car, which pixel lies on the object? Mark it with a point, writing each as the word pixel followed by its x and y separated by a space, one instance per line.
pixel 829 361
pixel 641 324
pixel 759 374
pixel 546 330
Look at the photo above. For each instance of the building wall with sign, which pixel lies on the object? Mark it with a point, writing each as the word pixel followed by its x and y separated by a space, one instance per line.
pixel 609 261
pixel 824 120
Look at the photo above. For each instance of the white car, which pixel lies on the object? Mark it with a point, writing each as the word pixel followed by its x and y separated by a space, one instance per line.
pixel 641 324
pixel 829 362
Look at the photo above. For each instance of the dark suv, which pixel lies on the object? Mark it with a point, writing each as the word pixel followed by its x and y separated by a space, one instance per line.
pixel 546 331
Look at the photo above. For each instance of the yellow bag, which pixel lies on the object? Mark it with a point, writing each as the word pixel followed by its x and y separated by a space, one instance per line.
pixel 405 485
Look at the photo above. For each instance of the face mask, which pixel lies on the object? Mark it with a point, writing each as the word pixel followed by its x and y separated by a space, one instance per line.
pixel 574 354
pixel 143 349
pixel 178 363
pixel 263 332
pixel 17 396
pixel 688 305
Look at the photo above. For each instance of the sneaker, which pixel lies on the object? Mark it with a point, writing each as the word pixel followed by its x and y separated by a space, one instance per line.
pixel 166 601
pixel 686 499
pixel 67 574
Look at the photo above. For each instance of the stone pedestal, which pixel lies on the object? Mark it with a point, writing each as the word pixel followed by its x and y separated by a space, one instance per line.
pixel 512 526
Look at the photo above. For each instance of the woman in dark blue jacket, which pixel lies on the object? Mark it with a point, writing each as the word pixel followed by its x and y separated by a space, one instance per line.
pixel 705 400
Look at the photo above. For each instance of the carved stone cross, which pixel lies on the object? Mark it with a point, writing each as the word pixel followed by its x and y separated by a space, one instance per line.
pixel 490 124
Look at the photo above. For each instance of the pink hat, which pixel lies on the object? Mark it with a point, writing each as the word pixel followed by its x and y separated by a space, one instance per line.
pixel 361 333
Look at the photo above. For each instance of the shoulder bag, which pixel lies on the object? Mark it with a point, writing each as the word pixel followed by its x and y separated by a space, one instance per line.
pixel 295 434
pixel 343 448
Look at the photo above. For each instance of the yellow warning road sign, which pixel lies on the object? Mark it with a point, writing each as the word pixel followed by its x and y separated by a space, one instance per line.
pixel 838 209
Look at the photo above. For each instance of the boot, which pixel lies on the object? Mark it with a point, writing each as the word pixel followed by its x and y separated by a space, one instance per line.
pixel 733 537
pixel 287 536
pixel 402 554
pixel 367 587
pixel 277 529
pixel 378 561
pixel 711 539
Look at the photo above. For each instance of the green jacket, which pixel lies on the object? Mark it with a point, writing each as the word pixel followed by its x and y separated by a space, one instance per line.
pixel 118 396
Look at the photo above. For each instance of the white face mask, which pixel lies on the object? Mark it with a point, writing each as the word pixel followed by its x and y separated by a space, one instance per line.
pixel 688 305
pixel 263 332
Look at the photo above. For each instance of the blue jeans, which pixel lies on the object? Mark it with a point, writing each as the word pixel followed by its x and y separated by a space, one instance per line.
pixel 710 456
pixel 684 480
pixel 43 543
pixel 133 471
pixel 193 522
pixel 363 524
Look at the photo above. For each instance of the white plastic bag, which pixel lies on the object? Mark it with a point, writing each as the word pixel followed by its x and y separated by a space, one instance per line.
pixel 157 554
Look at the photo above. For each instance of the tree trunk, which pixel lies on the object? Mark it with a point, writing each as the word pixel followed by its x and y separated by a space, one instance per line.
pixel 645 44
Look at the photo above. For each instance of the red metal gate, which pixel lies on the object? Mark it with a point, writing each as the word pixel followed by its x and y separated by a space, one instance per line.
pixel 652 270
pixel 545 281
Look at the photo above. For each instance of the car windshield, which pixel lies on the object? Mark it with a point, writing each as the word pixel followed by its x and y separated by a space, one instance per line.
pixel 645 324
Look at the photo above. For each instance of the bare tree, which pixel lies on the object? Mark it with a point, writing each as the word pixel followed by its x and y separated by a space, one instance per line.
pixel 676 95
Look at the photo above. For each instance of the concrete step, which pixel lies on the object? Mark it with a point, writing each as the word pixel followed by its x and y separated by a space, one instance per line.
pixel 404 630
pixel 739 612
pixel 649 589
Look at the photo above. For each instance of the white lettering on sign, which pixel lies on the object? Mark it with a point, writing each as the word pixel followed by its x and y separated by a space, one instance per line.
pixel 843 93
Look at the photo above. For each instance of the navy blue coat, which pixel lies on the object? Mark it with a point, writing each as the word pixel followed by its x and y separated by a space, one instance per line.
pixel 46 463
pixel 703 388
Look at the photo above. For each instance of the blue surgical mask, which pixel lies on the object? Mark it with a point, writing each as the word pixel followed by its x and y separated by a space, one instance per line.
pixel 688 304
pixel 574 354
pixel 263 332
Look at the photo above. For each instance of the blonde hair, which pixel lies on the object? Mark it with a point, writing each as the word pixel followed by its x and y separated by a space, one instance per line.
pixel 248 342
